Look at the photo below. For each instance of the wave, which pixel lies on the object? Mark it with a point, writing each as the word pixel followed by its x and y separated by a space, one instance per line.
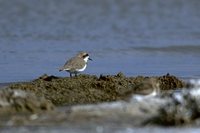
pixel 177 49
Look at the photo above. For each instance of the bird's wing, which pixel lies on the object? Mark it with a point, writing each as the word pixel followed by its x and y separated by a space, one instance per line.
pixel 74 62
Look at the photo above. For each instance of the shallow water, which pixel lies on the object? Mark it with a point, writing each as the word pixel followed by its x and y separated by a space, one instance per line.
pixel 136 37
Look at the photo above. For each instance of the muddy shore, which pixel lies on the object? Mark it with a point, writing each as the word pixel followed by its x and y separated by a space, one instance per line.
pixel 88 99
pixel 86 89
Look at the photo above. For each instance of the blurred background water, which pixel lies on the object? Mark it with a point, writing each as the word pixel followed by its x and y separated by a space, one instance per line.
pixel 136 37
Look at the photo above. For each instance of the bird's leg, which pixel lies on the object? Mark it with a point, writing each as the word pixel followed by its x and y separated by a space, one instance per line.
pixel 75 74
pixel 70 75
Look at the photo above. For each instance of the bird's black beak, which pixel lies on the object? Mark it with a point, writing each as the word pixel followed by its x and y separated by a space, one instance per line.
pixel 90 59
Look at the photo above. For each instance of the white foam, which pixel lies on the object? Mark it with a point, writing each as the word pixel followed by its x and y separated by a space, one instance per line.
pixel 195 91
pixel 195 83
pixel 178 96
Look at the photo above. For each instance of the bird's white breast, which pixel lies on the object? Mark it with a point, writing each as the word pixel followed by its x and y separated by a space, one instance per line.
pixel 82 69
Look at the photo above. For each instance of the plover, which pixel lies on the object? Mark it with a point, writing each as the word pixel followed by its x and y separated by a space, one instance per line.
pixel 76 64
pixel 149 88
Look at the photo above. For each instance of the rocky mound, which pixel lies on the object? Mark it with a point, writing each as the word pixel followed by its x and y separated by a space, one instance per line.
pixel 92 89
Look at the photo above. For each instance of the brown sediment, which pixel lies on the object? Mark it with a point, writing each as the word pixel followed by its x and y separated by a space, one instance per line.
pixel 92 89
pixel 170 82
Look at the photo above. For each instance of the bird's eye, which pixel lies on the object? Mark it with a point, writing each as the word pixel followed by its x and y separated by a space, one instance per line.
pixel 85 55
